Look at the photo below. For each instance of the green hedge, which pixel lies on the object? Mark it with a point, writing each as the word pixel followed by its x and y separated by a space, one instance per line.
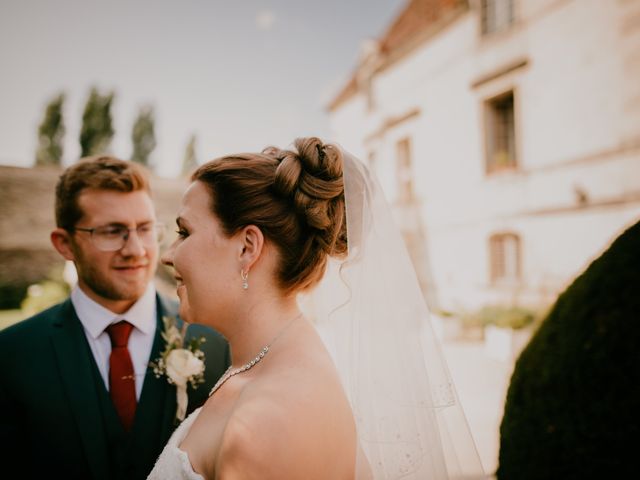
pixel 11 295
pixel 573 405
pixel 20 268
pixel 503 316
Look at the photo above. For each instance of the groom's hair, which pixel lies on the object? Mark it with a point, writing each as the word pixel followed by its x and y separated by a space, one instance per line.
pixel 97 173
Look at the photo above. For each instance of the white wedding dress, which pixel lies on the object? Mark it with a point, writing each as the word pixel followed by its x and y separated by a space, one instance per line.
pixel 174 463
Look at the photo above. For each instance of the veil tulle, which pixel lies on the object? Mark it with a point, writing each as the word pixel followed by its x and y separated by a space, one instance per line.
pixel 372 316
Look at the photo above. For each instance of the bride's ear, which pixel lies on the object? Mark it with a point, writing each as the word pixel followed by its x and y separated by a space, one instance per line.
pixel 252 242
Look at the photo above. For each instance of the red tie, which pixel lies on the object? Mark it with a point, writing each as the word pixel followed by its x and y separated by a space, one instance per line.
pixel 122 384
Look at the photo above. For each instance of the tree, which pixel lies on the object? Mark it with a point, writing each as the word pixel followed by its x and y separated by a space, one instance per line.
pixel 97 129
pixel 190 162
pixel 573 402
pixel 51 133
pixel 143 136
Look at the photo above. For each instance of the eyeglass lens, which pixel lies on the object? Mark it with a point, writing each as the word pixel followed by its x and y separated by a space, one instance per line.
pixel 111 238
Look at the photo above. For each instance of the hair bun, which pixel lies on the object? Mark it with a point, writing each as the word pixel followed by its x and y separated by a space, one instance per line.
pixel 295 197
pixel 311 177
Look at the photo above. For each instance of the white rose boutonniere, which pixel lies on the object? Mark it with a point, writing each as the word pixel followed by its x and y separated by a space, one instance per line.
pixel 182 364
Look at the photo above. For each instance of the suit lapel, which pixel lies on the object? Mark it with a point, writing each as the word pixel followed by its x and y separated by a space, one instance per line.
pixel 156 409
pixel 74 362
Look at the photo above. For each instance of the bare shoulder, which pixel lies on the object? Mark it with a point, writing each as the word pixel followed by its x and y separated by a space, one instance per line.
pixel 286 426
pixel 252 442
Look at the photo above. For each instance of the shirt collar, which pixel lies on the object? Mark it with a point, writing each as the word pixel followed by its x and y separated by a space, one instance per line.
pixel 95 318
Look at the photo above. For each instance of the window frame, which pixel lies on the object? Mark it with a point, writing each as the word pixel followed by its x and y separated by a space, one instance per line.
pixel 490 120
pixel 499 259
pixel 490 20
pixel 404 167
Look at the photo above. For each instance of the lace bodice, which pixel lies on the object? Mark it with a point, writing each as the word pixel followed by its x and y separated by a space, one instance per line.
pixel 174 463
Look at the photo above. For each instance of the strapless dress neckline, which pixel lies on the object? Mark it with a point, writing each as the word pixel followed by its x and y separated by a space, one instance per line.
pixel 173 462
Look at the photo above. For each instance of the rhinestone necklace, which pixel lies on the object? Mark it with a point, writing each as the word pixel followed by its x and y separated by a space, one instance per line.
pixel 231 373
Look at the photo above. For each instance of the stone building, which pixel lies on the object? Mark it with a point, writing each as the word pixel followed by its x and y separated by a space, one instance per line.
pixel 506 134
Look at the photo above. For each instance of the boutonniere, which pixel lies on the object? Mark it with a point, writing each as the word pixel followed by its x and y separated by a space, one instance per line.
pixel 182 364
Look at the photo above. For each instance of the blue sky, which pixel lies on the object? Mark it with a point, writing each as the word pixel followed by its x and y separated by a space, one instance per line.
pixel 239 74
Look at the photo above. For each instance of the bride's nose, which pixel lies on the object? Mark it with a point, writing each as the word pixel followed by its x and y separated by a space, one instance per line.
pixel 167 257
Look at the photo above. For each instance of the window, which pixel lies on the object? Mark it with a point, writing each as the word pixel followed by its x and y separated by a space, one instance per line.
pixel 404 176
pixel 371 99
pixel 500 133
pixel 495 15
pixel 504 257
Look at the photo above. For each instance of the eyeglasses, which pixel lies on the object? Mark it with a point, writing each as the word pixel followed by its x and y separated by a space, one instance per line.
pixel 110 238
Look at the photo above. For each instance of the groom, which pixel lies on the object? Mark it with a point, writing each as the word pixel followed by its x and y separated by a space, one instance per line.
pixel 77 397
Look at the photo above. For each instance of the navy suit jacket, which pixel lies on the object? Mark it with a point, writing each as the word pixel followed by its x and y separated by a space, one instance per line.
pixel 56 418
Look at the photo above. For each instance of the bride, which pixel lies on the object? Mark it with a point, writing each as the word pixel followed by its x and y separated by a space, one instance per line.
pixel 293 257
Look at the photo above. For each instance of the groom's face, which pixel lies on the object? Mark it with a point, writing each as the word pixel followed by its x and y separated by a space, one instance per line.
pixel 114 279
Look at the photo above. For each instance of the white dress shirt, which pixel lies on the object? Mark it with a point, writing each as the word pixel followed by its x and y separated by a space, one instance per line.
pixel 95 319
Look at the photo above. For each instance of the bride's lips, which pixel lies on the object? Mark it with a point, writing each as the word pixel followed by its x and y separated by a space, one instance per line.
pixel 181 291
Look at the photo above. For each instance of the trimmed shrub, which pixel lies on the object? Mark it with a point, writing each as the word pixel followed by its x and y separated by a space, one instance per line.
pixel 503 316
pixel 12 295
pixel 573 405
pixel 20 268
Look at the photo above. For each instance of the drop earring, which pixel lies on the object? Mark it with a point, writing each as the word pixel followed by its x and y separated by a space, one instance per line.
pixel 245 279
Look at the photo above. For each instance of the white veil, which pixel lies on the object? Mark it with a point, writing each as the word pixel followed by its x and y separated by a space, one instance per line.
pixel 372 316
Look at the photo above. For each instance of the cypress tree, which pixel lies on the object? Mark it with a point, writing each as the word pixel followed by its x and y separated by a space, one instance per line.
pixel 97 125
pixel 51 133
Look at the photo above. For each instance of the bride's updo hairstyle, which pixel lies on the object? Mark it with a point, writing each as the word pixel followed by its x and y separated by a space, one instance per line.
pixel 295 197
